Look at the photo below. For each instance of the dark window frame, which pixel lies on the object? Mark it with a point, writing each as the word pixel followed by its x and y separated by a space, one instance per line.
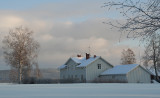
pixel 99 66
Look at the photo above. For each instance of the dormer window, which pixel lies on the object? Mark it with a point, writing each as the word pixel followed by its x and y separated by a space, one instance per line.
pixel 99 66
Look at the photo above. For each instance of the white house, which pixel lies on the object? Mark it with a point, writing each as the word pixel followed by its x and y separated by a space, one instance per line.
pixel 131 73
pixel 84 69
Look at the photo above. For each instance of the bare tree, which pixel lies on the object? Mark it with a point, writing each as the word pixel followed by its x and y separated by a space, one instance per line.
pixel 13 75
pixel 142 17
pixel 128 57
pixel 152 55
pixel 20 51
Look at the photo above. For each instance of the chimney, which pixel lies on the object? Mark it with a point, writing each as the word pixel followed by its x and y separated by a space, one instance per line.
pixel 87 56
pixel 94 56
pixel 78 55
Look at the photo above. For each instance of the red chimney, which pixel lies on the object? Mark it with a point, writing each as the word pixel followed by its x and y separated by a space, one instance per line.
pixel 78 55
pixel 87 56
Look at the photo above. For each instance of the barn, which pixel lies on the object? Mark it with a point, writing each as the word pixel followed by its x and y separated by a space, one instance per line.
pixel 131 73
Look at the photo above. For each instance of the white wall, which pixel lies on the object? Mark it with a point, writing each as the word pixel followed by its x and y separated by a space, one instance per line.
pixel 114 78
pixel 138 75
pixel 72 72
pixel 92 71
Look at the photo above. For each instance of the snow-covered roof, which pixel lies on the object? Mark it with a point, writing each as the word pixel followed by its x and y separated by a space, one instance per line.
pixel 83 61
pixel 120 69
pixel 62 66
pixel 78 59
pixel 152 70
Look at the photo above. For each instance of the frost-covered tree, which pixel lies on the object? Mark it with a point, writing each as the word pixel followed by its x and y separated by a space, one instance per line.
pixel 128 57
pixel 20 51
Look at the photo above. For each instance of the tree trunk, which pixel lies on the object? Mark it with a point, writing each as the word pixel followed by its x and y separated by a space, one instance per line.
pixel 20 73
pixel 154 62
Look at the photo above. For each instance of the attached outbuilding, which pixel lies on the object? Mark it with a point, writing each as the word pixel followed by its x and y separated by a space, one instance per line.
pixel 131 73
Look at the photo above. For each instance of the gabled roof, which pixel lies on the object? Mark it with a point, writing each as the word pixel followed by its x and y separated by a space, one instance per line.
pixel 120 69
pixel 78 59
pixel 62 66
pixel 82 61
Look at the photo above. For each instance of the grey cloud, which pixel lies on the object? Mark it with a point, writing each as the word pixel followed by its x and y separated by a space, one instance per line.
pixel 86 29
pixel 61 41
pixel 61 37
pixel 67 10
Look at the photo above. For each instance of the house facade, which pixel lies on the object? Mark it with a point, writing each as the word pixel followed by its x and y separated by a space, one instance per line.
pixel 84 69
pixel 131 73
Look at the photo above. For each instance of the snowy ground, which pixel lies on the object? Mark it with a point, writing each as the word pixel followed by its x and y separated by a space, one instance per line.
pixel 80 91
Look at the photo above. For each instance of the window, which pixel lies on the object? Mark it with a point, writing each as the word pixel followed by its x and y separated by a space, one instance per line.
pixel 82 77
pixel 99 66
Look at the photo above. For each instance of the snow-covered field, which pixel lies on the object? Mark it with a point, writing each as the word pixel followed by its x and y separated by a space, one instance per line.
pixel 80 91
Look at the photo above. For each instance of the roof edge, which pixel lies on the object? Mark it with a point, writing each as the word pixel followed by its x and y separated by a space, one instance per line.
pixel 133 68
pixel 112 74
pixel 89 63
pixel 106 62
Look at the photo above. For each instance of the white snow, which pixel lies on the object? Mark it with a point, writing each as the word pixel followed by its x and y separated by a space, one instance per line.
pixel 120 69
pixel 80 90
pixel 154 81
pixel 83 62
pixel 78 59
pixel 152 70
pixel 62 66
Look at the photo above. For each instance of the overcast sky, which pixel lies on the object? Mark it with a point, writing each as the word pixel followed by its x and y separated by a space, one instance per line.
pixel 65 28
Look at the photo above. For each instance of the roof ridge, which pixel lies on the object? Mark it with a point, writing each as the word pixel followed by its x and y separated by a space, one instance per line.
pixel 88 61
